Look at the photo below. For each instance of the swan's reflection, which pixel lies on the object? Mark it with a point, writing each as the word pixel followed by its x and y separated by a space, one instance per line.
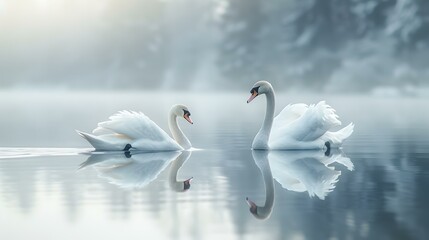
pixel 262 212
pixel 179 186
pixel 297 171
pixel 136 170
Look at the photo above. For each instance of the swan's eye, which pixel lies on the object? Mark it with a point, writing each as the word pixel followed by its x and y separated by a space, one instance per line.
pixel 254 90
pixel 186 113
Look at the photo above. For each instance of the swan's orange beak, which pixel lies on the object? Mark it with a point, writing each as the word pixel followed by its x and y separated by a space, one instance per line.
pixel 188 118
pixel 254 94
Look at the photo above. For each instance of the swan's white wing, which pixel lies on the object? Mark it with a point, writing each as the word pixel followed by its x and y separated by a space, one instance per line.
pixel 132 124
pixel 145 133
pixel 290 113
pixel 311 125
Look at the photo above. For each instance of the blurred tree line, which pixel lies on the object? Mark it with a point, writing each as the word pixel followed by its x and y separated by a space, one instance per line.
pixel 330 45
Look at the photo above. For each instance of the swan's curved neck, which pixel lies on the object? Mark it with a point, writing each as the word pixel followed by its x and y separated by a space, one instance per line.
pixel 261 139
pixel 177 133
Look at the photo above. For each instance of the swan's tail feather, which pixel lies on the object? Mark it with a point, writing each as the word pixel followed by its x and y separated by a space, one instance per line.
pixel 318 120
pixel 329 117
pixel 97 142
pixel 337 138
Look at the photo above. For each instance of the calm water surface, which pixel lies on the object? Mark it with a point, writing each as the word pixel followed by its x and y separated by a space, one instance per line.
pixel 53 187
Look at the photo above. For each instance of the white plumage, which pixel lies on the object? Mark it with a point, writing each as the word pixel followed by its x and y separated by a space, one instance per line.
pixel 139 132
pixel 298 126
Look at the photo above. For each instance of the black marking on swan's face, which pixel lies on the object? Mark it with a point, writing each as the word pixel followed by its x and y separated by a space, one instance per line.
pixel 254 93
pixel 255 90
pixel 253 209
pixel 127 147
pixel 186 185
pixel 186 113
pixel 187 116
pixel 252 206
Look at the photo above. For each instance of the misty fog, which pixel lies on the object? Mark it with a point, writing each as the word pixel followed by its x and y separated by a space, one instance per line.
pixel 367 46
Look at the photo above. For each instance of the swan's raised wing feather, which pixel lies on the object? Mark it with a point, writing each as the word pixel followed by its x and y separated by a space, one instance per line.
pixel 311 125
pixel 134 125
pixel 290 113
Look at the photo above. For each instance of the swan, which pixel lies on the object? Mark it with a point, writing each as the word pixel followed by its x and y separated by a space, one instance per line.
pixel 127 130
pixel 297 126
pixel 263 212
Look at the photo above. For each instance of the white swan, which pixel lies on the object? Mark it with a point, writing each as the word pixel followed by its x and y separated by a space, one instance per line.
pixel 297 126
pixel 126 130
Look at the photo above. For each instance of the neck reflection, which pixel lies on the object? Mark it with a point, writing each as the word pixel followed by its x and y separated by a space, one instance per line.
pixel 261 160
pixel 184 185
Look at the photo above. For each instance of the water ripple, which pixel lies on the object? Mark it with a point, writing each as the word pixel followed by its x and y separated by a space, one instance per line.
pixel 7 153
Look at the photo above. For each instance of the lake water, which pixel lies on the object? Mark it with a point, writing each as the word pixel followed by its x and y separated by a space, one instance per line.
pixel 53 187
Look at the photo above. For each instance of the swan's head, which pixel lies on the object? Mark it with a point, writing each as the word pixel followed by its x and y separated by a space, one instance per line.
pixel 259 88
pixel 182 111
pixel 187 184
pixel 252 206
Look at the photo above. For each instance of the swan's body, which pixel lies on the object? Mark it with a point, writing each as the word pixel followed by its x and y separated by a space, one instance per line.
pixel 297 126
pixel 130 170
pixel 135 130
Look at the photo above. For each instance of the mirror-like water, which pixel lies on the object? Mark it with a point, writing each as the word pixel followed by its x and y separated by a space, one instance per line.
pixel 53 187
